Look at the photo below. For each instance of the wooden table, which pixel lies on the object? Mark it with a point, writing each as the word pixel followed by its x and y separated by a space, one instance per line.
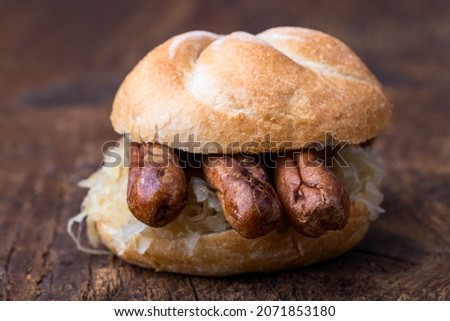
pixel 60 65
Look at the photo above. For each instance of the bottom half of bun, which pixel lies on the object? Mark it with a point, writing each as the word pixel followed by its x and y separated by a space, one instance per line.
pixel 227 252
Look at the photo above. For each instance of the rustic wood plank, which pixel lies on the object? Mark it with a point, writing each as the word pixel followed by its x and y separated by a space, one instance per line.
pixel 60 64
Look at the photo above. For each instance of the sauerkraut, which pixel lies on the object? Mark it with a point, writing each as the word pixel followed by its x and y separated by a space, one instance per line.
pixel 362 176
pixel 202 213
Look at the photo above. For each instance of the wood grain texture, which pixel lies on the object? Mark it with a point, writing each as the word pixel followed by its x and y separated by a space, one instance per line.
pixel 60 64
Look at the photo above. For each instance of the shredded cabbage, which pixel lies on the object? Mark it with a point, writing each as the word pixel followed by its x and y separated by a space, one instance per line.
pixel 202 213
pixel 362 177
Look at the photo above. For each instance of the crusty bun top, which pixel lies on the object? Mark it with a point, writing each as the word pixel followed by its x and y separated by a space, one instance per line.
pixel 294 84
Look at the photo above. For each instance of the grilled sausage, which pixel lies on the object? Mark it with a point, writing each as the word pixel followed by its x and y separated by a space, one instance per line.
pixel 156 185
pixel 314 199
pixel 249 202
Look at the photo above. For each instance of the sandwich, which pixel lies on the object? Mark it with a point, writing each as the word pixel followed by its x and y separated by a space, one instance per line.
pixel 240 153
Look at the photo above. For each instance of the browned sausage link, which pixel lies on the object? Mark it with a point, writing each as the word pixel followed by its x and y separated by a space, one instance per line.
pixel 313 198
pixel 156 185
pixel 249 202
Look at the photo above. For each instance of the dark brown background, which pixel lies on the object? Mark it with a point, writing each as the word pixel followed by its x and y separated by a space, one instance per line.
pixel 60 64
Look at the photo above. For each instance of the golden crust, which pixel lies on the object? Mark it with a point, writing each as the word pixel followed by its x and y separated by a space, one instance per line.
pixel 228 253
pixel 292 83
